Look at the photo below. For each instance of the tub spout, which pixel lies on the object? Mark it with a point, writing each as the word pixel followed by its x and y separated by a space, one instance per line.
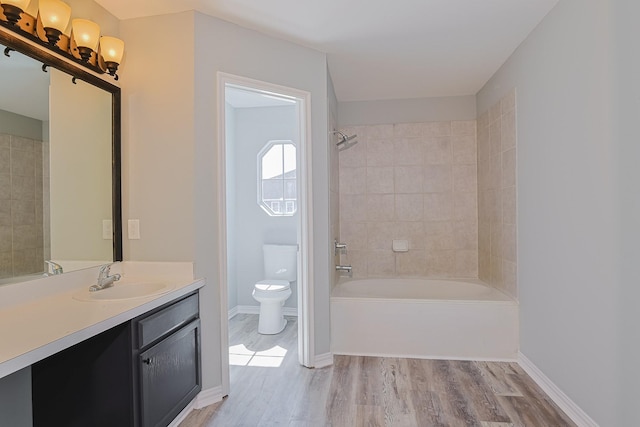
pixel 346 268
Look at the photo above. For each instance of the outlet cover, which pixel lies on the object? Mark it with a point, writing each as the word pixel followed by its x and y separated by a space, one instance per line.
pixel 107 229
pixel 134 229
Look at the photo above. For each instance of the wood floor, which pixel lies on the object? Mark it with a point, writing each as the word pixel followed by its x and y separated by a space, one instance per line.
pixel 369 391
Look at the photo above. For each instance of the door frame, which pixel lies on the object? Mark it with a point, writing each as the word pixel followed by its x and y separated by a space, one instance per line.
pixel 305 219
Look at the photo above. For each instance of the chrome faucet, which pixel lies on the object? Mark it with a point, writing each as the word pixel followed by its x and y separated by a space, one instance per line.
pixel 339 248
pixel 104 280
pixel 55 268
pixel 346 268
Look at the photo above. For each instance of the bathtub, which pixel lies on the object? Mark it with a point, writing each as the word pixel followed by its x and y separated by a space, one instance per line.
pixel 423 318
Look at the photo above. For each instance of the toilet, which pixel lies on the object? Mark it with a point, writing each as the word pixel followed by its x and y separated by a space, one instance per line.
pixel 280 269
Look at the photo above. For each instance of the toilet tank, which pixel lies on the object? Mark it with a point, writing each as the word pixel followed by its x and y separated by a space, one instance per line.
pixel 280 262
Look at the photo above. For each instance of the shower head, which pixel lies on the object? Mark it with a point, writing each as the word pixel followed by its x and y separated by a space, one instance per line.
pixel 344 138
pixel 347 139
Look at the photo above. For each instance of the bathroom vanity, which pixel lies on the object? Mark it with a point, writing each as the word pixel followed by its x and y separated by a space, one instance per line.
pixel 123 357
pixel 121 361
pixel 140 373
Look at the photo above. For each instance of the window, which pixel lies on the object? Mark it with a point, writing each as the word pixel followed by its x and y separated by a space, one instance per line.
pixel 277 187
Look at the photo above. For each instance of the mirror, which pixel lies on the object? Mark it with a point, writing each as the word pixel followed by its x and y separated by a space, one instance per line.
pixel 59 164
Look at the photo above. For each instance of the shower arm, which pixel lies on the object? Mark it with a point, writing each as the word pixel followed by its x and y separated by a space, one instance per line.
pixel 343 138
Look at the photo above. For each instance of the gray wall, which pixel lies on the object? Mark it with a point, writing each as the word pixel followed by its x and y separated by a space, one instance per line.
pixel 222 46
pixel 26 127
pixel 254 127
pixel 170 156
pixel 626 110
pixel 15 399
pixel 158 157
pixel 157 138
pixel 569 268
pixel 407 110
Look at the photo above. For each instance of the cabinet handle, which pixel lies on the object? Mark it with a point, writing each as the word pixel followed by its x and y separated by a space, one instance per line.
pixel 147 361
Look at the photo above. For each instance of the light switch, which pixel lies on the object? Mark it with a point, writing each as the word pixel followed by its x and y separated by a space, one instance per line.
pixel 134 229
pixel 107 229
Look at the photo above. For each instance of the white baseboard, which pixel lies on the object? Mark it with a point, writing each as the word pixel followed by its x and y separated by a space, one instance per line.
pixel 208 397
pixel 255 309
pixel 323 360
pixel 248 309
pixel 290 311
pixel 427 356
pixel 565 403
pixel 204 398
pixel 233 312
pixel 182 415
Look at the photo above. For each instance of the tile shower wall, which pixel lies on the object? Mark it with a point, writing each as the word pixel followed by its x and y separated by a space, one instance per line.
pixel 22 175
pixel 413 181
pixel 497 195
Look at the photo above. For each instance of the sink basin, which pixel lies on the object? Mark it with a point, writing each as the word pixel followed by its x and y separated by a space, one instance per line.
pixel 124 291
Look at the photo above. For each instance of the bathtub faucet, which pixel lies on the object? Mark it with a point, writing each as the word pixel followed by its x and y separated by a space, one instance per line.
pixel 339 248
pixel 346 268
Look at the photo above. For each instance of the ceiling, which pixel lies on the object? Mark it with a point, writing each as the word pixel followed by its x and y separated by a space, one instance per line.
pixel 380 49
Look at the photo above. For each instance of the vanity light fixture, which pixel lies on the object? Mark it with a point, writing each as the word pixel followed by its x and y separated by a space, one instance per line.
pixel 13 9
pixel 84 47
pixel 86 35
pixel 112 50
pixel 54 15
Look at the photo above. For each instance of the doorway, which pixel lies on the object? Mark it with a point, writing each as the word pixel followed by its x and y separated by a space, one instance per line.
pixel 264 198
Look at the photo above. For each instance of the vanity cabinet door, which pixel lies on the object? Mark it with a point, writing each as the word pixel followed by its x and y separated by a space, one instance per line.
pixel 169 375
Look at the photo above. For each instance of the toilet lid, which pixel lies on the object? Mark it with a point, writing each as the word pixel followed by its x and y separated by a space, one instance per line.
pixel 272 285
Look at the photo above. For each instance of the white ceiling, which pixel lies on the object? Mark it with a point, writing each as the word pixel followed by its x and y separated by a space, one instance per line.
pixel 379 49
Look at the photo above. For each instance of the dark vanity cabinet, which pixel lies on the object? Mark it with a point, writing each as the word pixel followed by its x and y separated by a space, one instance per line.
pixel 167 361
pixel 141 373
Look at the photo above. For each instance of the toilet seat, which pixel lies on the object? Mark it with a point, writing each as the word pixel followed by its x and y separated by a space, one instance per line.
pixel 271 287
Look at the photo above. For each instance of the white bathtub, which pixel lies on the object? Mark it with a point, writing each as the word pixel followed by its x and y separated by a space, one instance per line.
pixel 423 318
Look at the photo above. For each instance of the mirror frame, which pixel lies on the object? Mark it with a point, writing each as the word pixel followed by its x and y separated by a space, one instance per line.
pixel 48 58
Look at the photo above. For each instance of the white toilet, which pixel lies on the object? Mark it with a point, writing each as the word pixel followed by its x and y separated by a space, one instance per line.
pixel 280 269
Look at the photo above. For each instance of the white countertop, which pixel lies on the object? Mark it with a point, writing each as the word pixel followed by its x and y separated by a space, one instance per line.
pixel 47 322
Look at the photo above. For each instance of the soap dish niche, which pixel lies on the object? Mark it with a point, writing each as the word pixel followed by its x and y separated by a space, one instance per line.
pixel 400 246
